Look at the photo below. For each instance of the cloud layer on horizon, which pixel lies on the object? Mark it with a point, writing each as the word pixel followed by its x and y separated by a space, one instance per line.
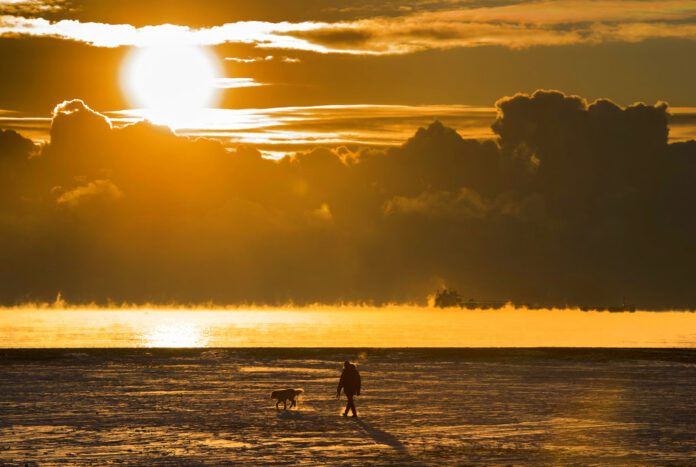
pixel 278 131
pixel 572 203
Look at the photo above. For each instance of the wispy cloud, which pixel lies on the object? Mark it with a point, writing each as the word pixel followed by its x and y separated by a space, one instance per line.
pixel 250 60
pixel 29 6
pixel 281 129
pixel 515 26
pixel 278 130
pixel 228 83
pixel 98 189
pixel 267 58
pixel 263 34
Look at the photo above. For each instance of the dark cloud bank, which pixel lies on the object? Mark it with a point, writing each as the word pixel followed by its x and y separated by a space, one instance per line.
pixel 572 204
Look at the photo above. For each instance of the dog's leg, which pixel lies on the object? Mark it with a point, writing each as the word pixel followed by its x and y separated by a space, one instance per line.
pixel 292 403
pixel 277 402
pixel 285 405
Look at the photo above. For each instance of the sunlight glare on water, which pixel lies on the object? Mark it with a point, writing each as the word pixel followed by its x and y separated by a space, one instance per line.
pixel 182 334
pixel 404 326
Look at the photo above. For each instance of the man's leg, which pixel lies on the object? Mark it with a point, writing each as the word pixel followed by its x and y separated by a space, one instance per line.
pixel 351 405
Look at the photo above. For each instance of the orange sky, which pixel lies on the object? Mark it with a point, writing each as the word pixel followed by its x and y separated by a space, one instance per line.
pixel 301 152
pixel 438 52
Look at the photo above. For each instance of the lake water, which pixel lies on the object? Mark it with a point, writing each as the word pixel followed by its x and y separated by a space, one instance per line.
pixel 31 327
pixel 144 405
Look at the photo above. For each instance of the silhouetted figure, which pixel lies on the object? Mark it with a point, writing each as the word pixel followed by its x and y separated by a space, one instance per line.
pixel 350 383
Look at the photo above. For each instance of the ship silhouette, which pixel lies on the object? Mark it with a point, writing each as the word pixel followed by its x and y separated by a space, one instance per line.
pixel 450 298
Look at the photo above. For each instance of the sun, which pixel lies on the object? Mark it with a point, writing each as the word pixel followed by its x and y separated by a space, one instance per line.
pixel 169 82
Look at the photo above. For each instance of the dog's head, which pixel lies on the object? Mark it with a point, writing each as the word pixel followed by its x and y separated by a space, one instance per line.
pixel 275 394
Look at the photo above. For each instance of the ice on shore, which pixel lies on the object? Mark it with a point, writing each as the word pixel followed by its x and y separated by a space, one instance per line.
pixel 421 407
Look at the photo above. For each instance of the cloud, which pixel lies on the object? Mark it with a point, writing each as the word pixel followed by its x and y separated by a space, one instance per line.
pixel 462 204
pixel 98 189
pixel 277 131
pixel 571 203
pixel 29 6
pixel 520 25
pixel 515 26
pixel 267 58
pixel 250 60
pixel 228 83
pixel 263 34
pixel 14 145
pixel 15 154
pixel 286 129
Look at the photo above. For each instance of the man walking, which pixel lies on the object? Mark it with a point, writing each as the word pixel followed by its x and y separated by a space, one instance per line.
pixel 350 383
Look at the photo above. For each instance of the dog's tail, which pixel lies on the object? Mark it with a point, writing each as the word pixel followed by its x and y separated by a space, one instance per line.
pixel 299 391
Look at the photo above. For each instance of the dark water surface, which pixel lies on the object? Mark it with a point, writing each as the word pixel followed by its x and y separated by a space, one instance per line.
pixel 419 406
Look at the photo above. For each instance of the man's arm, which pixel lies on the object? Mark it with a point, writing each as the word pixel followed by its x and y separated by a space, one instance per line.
pixel 340 385
pixel 359 382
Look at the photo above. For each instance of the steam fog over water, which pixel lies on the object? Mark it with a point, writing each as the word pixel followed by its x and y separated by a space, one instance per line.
pixel 36 327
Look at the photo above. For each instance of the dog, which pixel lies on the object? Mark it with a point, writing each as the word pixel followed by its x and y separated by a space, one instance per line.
pixel 286 395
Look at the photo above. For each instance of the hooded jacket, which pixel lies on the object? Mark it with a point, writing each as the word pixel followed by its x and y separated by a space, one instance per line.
pixel 350 380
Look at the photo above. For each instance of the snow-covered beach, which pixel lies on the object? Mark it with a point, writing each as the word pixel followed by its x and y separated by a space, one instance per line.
pixel 419 406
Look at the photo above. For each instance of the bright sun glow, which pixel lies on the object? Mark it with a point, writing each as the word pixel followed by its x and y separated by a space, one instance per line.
pixel 171 81
pixel 174 335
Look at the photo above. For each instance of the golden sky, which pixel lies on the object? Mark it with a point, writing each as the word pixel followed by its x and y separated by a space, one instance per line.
pixel 327 151
pixel 329 52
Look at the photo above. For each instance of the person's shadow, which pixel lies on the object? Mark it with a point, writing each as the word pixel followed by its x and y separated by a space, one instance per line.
pixel 381 436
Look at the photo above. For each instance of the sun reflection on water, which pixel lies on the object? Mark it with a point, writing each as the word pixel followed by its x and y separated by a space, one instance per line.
pixel 175 335
pixel 397 326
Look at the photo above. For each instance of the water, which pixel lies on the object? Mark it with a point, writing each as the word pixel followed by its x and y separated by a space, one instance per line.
pixel 341 327
pixel 94 386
